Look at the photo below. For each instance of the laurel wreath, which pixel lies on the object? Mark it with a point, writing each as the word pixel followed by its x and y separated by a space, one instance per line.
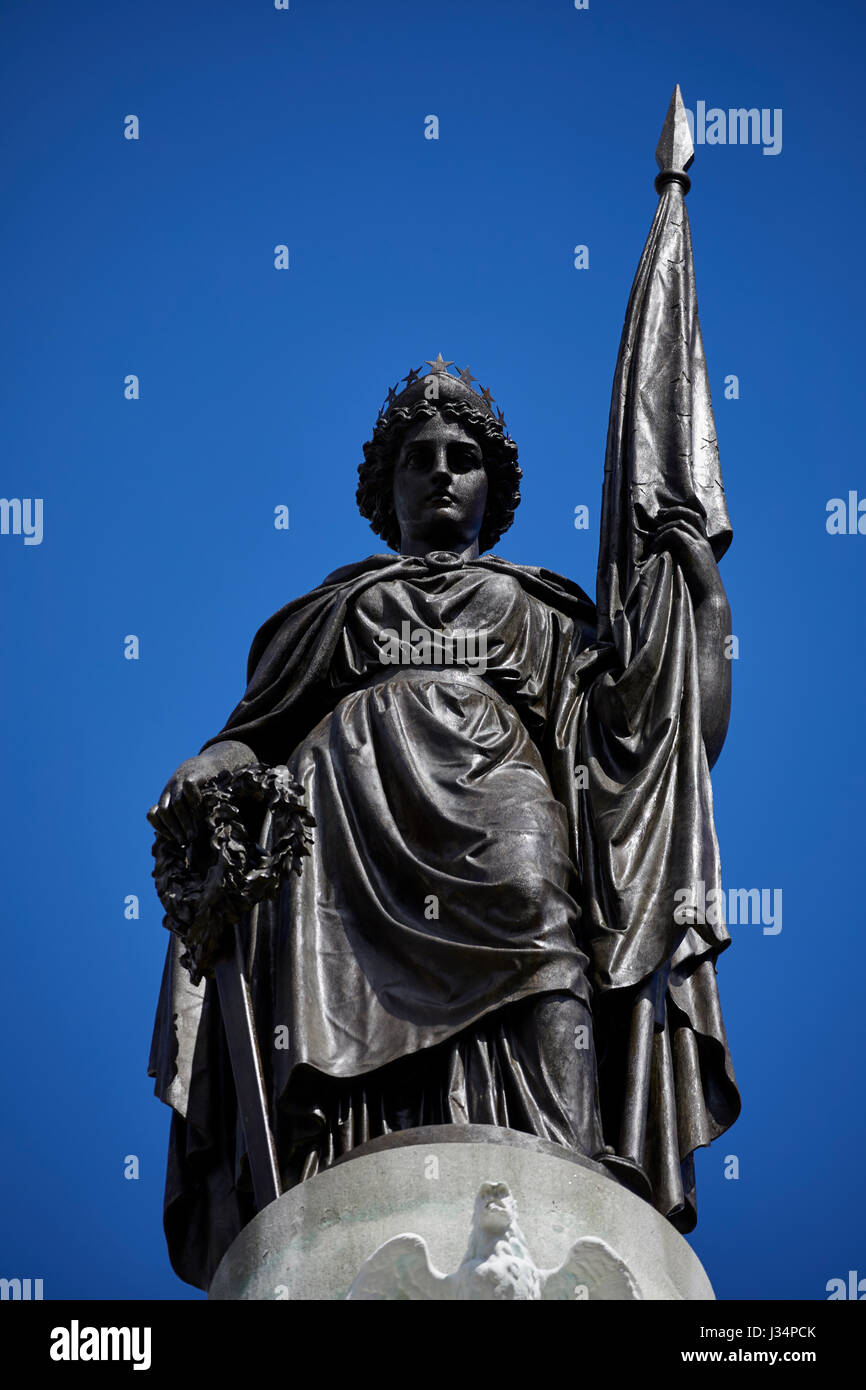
pixel 208 885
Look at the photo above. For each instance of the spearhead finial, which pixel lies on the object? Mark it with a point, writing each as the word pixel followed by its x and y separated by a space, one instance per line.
pixel 675 149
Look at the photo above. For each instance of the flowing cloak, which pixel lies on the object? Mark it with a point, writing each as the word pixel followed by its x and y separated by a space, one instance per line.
pixel 574 893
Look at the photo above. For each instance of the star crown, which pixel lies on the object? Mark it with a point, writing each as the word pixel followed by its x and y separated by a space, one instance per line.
pixel 438 368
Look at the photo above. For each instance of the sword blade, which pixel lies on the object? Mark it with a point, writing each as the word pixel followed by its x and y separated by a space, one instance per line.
pixel 236 1008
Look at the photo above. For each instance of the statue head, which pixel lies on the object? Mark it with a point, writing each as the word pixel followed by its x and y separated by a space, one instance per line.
pixel 495 1209
pixel 440 471
pixel 494 1222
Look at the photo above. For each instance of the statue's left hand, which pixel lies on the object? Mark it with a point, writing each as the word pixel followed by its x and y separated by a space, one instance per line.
pixel 681 532
pixel 682 535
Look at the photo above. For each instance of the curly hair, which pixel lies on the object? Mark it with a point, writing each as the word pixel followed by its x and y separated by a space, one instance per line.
pixel 375 495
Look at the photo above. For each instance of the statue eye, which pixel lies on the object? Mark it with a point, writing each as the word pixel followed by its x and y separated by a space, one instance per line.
pixel 465 458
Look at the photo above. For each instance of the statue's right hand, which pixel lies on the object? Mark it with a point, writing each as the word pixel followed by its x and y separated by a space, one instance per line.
pixel 177 813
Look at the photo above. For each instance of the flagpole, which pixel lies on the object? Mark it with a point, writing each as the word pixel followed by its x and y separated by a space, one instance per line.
pixel 675 151
pixel 675 154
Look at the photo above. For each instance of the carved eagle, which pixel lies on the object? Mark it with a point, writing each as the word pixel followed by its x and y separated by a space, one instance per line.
pixel 497 1265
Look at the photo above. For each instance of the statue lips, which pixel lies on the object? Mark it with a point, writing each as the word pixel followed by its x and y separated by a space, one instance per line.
pixel 441 498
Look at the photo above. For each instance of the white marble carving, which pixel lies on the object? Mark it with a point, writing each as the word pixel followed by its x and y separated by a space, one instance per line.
pixel 497 1265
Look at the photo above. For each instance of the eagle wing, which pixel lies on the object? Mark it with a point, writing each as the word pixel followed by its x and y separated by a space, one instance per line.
pixel 590 1270
pixel 400 1269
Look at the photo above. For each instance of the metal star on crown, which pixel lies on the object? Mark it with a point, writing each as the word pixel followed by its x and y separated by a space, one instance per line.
pixel 439 367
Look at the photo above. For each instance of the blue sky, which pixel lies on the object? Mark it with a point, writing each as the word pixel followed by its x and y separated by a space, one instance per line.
pixel 258 387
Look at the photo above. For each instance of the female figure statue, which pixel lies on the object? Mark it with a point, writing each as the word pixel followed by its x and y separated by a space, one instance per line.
pixel 502 920
pixel 435 961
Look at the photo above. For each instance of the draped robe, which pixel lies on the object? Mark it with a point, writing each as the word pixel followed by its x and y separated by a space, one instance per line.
pixel 550 806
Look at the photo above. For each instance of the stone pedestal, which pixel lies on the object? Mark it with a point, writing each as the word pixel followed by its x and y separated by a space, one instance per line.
pixel 314 1240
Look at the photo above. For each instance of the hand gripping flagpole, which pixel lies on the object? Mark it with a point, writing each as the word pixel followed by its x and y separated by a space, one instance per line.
pixel 208 887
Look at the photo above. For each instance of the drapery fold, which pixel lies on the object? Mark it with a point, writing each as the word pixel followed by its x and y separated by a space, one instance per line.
pixel 662 452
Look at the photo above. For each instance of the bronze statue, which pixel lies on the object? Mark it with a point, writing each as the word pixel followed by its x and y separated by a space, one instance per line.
pixel 509 784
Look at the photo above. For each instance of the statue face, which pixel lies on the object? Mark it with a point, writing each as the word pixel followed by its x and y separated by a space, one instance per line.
pixel 495 1208
pixel 440 487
